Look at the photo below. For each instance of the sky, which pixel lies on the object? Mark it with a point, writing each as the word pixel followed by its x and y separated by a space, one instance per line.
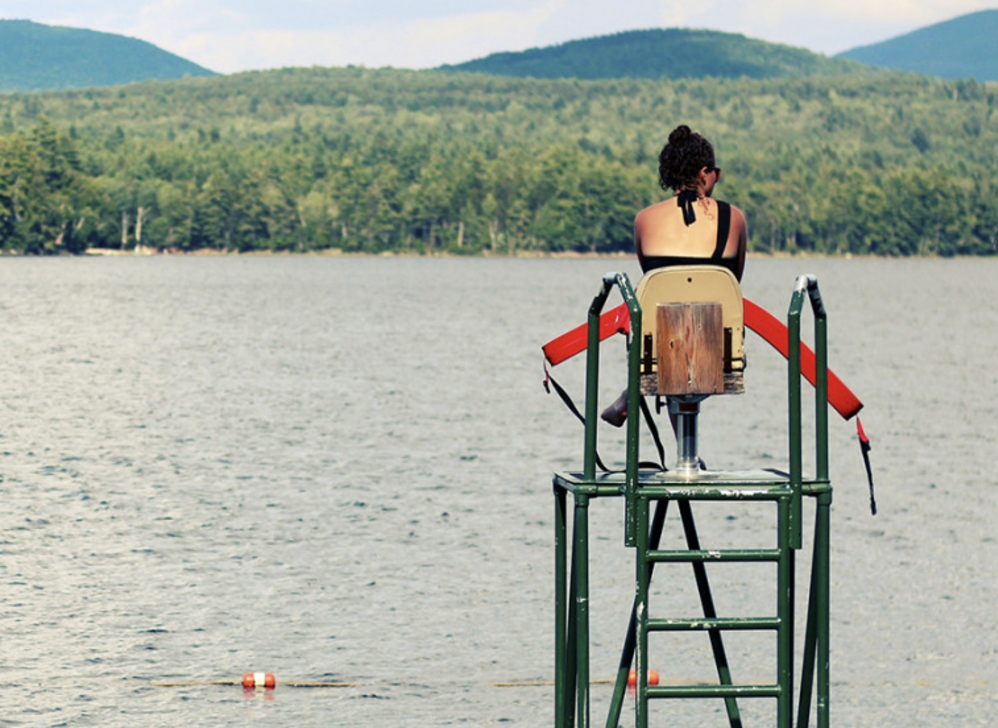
pixel 228 36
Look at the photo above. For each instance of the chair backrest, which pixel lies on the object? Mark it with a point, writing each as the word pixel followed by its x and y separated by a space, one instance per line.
pixel 677 321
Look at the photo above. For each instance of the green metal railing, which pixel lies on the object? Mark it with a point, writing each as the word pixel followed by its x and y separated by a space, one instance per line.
pixel 643 531
pixel 816 637
pixel 623 283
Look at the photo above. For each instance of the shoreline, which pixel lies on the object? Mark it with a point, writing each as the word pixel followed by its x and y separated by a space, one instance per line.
pixel 337 253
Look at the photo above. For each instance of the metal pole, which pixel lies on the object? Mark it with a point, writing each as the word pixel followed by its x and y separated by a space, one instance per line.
pixel 592 382
pixel 689 458
pixel 785 644
pixel 571 658
pixel 816 645
pixel 794 398
pixel 810 642
pixel 641 626
pixel 631 532
pixel 821 383
pixel 582 605
pixel 592 362
pixel 822 529
pixel 822 545
pixel 560 617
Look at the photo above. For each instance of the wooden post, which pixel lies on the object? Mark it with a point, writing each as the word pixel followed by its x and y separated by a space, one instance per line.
pixel 690 338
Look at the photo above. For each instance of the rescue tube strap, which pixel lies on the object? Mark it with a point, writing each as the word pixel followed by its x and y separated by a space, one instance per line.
pixel 864 447
pixel 653 429
pixel 550 381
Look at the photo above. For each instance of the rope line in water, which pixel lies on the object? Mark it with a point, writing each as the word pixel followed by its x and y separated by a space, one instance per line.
pixel 550 683
pixel 257 681
pixel 515 684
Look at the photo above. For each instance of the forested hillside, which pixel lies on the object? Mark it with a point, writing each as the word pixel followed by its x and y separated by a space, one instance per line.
pixel 34 56
pixel 427 162
pixel 672 53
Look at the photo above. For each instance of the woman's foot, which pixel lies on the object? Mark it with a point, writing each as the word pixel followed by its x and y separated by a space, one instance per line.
pixel 616 413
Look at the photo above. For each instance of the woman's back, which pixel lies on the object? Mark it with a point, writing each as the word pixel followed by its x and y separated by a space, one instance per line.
pixel 689 228
pixel 716 235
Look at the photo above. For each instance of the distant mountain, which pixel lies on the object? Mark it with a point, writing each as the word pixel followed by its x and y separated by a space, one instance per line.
pixel 42 57
pixel 673 53
pixel 964 47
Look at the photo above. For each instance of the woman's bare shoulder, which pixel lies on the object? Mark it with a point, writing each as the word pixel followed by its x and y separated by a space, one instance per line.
pixel 737 217
pixel 655 210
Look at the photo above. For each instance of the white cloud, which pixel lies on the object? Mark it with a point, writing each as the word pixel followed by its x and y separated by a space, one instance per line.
pixel 675 14
pixel 460 38
pixel 896 12
pixel 233 35
pixel 417 44
pixel 830 26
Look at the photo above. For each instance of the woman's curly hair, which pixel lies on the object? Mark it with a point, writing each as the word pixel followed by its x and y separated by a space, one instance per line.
pixel 682 158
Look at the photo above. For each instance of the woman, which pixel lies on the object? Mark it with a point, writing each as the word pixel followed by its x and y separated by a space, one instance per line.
pixel 689 228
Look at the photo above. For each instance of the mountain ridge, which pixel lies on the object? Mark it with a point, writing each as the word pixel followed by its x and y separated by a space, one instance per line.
pixel 954 49
pixel 38 57
pixel 661 53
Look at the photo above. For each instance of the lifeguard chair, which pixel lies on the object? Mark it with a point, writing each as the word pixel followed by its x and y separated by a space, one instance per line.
pixel 692 346
pixel 686 343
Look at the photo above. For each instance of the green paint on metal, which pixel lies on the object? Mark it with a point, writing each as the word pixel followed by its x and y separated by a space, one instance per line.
pixel 638 488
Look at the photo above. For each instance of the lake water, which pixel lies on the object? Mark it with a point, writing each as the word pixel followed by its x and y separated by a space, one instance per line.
pixel 338 469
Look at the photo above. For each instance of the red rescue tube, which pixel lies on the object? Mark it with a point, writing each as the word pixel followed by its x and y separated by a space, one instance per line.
pixel 776 334
pixel 770 328
pixel 614 321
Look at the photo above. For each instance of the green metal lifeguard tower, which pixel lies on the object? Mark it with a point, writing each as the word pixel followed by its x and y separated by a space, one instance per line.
pixel 684 344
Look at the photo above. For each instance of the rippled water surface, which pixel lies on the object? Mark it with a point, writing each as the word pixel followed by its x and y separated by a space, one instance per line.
pixel 339 470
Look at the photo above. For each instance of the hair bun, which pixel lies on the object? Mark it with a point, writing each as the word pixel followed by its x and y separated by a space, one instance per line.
pixel 680 134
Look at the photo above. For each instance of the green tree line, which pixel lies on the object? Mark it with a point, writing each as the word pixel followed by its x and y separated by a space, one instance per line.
pixel 386 160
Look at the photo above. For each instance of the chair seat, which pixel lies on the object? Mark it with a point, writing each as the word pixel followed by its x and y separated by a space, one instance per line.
pixel 673 303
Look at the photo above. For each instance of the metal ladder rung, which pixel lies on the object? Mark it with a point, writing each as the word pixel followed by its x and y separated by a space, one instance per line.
pixel 704 624
pixel 714 556
pixel 654 491
pixel 714 691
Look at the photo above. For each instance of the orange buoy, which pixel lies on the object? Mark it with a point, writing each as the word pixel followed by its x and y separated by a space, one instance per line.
pixel 632 678
pixel 259 681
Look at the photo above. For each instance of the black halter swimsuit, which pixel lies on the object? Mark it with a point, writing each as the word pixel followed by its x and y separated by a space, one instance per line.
pixel 650 262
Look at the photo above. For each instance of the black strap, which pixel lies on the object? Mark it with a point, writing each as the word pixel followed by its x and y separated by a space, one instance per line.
pixel 653 429
pixel 723 227
pixel 685 201
pixel 550 381
pixel 864 448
